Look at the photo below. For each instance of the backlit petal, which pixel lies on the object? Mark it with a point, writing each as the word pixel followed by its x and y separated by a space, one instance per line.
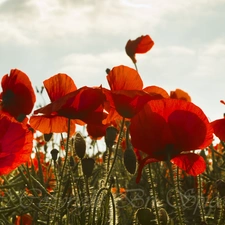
pixel 59 85
pixel 192 163
pixel 124 78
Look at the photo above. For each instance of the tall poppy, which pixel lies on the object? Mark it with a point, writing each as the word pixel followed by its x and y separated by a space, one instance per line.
pixel 140 45
pixel 168 129
pixel 127 94
pixel 17 95
pixel 16 142
pixel 56 86
pixel 84 104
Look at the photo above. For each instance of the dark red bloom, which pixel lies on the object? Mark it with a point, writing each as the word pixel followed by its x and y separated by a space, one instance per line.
pixel 96 131
pixel 168 127
pixel 219 128
pixel 17 95
pixel 84 104
pixel 16 142
pixel 141 45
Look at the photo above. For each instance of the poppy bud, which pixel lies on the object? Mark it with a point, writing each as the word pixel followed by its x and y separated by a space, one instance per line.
pixel 164 218
pixel 54 153
pixel 110 137
pixel 48 137
pixel 130 160
pixel 107 70
pixel 80 146
pixel 87 166
pixel 145 216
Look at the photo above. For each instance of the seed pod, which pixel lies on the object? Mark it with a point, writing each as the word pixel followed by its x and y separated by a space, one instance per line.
pixel 164 217
pixel 145 215
pixel 130 161
pixel 54 153
pixel 48 137
pixel 110 136
pixel 87 166
pixel 80 145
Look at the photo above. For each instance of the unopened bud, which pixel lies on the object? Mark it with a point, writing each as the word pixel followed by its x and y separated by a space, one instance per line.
pixel 110 137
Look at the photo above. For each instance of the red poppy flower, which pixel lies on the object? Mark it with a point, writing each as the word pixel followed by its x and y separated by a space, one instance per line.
pixel 141 45
pixel 165 128
pixel 96 131
pixel 126 94
pixel 180 94
pixel 17 95
pixel 25 219
pixel 16 142
pixel 219 128
pixel 85 104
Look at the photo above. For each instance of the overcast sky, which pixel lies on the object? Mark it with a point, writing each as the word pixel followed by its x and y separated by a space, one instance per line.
pixel 84 37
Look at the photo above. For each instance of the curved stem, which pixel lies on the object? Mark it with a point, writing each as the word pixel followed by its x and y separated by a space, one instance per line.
pixel 116 151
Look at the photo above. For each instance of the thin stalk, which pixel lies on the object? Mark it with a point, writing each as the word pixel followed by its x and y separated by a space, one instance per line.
pixel 136 67
pixel 62 173
pixel 116 151
pixel 154 193
pixel 202 212
pixel 178 210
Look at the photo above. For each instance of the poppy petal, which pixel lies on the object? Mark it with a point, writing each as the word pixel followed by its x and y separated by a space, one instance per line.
pixel 192 163
pixel 158 91
pixel 51 124
pixel 59 85
pixel 18 96
pixel 180 94
pixel 16 142
pixel 124 78
pixel 141 45
pixel 219 128
pixel 130 102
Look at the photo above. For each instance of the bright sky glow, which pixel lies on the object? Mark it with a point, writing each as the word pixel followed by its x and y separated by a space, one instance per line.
pixel 83 38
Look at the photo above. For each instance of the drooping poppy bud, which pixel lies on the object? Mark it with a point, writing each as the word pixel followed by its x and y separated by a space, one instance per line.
pixel 80 146
pixel 87 166
pixel 48 137
pixel 145 216
pixel 141 45
pixel 54 153
pixel 130 160
pixel 110 137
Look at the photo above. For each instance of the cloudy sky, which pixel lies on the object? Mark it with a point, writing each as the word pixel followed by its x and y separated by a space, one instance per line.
pixel 84 37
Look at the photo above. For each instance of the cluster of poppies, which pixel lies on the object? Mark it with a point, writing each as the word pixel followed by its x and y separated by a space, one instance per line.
pixel 162 126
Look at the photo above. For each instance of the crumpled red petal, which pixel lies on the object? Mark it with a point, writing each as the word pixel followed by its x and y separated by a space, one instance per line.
pixel 192 163
pixel 140 45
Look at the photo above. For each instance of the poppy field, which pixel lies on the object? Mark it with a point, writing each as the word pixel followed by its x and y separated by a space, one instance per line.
pixel 128 154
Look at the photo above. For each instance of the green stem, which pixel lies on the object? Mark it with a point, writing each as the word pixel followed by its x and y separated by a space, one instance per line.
pixel 62 173
pixel 116 151
pixel 178 209
pixel 136 67
pixel 202 213
pixel 154 193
